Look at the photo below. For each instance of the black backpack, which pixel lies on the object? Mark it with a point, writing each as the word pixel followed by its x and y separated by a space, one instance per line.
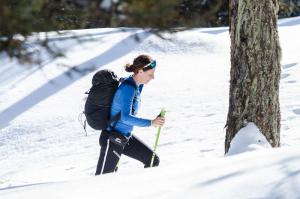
pixel 97 106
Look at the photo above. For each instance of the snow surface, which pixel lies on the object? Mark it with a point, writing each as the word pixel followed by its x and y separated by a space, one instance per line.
pixel 44 152
pixel 248 138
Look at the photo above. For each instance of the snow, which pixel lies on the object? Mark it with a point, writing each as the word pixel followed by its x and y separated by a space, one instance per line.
pixel 44 151
pixel 248 175
pixel 249 138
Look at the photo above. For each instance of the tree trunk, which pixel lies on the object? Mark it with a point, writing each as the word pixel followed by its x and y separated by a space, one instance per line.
pixel 255 69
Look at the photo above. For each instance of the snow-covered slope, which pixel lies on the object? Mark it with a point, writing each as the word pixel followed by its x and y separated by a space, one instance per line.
pixel 44 150
pixel 260 174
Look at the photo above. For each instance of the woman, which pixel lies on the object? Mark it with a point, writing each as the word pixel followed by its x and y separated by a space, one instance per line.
pixel 117 139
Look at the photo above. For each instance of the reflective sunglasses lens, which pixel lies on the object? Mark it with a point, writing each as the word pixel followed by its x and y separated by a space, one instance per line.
pixel 153 64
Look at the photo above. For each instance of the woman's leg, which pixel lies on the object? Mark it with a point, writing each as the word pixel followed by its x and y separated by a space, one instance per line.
pixel 138 150
pixel 110 154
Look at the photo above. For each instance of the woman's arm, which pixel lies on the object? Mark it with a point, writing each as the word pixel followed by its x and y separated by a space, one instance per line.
pixel 127 95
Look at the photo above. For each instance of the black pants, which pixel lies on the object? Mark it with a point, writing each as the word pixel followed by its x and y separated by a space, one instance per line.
pixel 111 152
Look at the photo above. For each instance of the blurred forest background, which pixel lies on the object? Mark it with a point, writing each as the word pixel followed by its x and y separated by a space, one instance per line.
pixel 20 19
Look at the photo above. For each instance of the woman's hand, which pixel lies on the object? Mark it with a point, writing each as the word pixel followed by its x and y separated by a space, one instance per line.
pixel 159 121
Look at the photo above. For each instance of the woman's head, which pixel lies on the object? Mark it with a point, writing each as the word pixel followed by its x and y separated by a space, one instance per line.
pixel 143 68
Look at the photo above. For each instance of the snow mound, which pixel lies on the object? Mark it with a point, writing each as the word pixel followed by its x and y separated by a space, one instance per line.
pixel 248 138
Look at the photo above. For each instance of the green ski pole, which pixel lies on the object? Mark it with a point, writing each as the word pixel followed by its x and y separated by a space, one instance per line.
pixel 162 114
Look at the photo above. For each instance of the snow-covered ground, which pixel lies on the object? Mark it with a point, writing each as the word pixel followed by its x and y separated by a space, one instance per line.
pixel 44 152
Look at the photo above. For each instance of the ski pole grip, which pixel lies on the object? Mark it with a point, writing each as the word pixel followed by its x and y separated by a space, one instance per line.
pixel 162 113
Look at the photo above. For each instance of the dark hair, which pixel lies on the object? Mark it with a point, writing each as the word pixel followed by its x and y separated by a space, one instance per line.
pixel 138 63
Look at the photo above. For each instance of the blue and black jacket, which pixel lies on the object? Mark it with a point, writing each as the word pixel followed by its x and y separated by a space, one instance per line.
pixel 127 101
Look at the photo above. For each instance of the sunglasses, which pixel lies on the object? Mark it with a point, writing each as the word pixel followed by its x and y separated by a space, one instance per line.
pixel 151 65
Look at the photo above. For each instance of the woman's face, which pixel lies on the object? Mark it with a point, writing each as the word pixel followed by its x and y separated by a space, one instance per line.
pixel 147 76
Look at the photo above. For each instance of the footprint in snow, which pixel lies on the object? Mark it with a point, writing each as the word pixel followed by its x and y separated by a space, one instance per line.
pixel 70 168
pixel 188 140
pixel 284 75
pixel 297 111
pixel 167 143
pixel 286 66
pixel 209 115
pixel 292 82
pixel 190 115
pixel 206 150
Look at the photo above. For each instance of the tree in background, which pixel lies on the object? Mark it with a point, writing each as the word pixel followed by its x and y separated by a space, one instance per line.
pixel 21 18
pixel 170 14
pixel 289 8
pixel 255 69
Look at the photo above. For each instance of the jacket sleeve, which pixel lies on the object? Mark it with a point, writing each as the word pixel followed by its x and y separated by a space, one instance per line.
pixel 126 107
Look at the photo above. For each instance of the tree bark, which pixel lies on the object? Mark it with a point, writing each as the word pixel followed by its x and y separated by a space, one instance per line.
pixel 255 69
